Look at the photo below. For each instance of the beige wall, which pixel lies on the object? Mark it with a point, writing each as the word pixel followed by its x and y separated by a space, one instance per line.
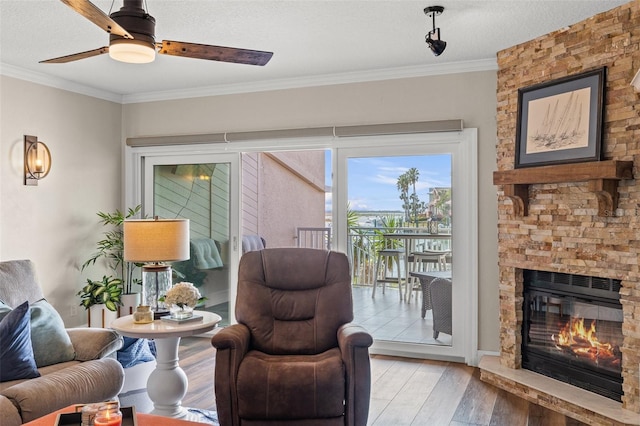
pixel 84 134
pixel 469 96
pixel 55 223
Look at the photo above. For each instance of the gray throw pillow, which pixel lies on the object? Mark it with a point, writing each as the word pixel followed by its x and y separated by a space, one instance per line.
pixel 50 341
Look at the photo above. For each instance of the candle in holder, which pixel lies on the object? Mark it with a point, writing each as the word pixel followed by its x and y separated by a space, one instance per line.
pixel 108 415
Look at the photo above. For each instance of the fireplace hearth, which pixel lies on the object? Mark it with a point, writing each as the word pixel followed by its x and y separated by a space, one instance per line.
pixel 572 330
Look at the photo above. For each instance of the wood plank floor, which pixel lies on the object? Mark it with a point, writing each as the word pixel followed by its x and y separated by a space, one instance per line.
pixel 404 392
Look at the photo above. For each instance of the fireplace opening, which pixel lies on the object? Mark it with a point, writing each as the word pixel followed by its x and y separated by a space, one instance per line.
pixel 572 330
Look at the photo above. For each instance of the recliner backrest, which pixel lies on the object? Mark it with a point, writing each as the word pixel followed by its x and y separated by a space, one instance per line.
pixel 293 300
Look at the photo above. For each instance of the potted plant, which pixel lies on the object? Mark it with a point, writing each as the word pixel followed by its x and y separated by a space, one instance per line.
pixel 111 249
pixel 98 295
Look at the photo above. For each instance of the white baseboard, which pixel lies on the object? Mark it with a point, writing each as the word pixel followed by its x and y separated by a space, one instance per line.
pixel 488 353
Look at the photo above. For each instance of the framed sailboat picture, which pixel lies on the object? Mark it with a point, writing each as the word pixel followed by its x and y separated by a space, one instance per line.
pixel 561 121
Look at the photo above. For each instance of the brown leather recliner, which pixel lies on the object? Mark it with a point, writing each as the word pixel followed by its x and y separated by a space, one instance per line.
pixel 295 357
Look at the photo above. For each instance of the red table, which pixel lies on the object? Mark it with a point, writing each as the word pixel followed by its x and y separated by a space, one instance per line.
pixel 142 419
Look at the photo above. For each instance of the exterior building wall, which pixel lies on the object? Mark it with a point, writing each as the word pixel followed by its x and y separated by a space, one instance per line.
pixel 291 195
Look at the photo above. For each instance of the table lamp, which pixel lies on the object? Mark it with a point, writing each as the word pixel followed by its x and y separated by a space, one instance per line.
pixel 153 242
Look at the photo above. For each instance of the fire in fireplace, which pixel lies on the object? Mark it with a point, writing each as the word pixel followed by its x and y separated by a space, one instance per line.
pixel 582 342
pixel 572 330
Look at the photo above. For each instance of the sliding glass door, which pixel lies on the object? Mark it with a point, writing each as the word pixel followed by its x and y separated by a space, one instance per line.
pixel 198 188
pixel 411 218
pixel 280 193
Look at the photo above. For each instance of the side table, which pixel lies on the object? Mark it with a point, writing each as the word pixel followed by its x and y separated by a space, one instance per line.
pixel 168 383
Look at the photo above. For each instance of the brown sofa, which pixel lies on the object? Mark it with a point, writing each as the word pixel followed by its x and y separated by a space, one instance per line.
pixel 295 357
pixel 89 371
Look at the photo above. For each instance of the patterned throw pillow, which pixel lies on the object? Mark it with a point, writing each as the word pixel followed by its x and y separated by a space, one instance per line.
pixel 16 352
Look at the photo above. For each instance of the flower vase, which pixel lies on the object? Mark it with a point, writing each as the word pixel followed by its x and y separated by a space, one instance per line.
pixel 181 312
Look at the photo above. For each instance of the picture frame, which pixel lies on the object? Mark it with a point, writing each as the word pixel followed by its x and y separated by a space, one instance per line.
pixel 561 121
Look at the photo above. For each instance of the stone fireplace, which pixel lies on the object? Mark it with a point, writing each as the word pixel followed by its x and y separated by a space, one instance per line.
pixel 587 223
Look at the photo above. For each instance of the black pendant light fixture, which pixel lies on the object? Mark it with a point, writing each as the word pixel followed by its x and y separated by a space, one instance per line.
pixel 436 45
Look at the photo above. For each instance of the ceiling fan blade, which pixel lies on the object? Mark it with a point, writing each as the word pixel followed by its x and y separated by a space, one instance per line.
pixel 97 16
pixel 77 56
pixel 214 53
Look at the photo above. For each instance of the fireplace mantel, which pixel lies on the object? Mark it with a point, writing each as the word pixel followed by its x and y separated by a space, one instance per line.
pixel 603 178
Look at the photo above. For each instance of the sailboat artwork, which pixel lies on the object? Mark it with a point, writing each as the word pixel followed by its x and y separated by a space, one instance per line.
pixel 559 122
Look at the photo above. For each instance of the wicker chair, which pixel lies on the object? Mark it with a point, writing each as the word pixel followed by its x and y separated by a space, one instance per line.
pixel 440 296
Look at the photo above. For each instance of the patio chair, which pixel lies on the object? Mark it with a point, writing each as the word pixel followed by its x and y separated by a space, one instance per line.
pixel 425 260
pixel 384 263
pixel 440 295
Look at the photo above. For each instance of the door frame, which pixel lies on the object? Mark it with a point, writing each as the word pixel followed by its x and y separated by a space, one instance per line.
pixel 462 146
pixel 140 172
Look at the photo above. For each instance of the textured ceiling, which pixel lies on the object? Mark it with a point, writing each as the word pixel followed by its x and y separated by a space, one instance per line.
pixel 312 40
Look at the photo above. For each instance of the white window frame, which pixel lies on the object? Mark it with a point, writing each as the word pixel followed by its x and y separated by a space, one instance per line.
pixel 462 145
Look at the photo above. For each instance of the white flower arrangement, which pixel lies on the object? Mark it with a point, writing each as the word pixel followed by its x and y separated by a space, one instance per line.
pixel 182 294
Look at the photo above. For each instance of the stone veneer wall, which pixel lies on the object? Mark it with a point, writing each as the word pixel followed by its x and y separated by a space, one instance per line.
pixel 563 232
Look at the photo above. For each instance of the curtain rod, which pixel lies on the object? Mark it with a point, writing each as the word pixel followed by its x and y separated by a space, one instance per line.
pixel 335 131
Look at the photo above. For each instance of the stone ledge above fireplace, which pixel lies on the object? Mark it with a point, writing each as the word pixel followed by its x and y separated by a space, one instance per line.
pixel 573 402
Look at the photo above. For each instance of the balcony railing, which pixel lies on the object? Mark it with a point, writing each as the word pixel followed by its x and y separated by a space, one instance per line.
pixel 363 244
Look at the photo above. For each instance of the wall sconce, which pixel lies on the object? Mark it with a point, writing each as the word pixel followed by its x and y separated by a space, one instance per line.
pixel 636 82
pixel 37 160
pixel 153 242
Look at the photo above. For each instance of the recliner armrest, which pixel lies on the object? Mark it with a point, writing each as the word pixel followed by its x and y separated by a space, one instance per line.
pixel 94 343
pixel 232 344
pixel 235 337
pixel 351 334
pixel 354 342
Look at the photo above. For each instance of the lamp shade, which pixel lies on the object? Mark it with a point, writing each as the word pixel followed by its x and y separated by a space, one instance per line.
pixel 156 240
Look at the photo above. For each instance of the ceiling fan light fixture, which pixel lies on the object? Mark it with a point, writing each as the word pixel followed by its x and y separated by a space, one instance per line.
pixel 436 45
pixel 132 51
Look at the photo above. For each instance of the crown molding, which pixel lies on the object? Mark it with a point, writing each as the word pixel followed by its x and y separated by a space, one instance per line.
pixel 57 82
pixel 259 86
pixel 315 81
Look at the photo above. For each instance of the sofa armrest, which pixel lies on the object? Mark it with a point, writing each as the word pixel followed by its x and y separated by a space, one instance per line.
pixel 232 344
pixel 84 382
pixel 94 343
pixel 9 413
pixel 354 342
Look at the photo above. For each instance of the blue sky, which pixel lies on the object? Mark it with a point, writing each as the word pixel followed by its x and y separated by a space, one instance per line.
pixel 373 181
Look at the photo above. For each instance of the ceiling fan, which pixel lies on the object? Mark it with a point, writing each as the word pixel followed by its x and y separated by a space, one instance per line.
pixel 132 39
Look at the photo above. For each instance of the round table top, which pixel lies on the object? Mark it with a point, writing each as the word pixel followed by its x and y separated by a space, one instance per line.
pixel 159 329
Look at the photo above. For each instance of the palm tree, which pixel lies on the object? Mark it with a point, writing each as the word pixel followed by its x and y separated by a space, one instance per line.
pixel 412 177
pixel 403 187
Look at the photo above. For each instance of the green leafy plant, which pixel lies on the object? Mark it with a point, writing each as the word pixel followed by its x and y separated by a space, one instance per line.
pixel 107 291
pixel 111 248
